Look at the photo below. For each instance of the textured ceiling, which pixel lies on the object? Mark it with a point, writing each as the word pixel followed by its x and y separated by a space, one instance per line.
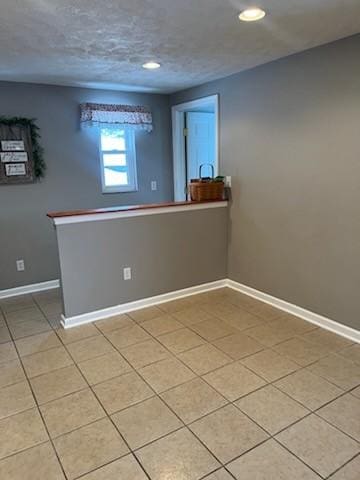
pixel 103 43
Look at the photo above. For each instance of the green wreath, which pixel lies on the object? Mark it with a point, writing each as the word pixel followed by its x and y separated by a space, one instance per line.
pixel 37 150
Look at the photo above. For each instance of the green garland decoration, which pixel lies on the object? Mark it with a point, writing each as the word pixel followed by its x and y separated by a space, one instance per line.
pixel 37 150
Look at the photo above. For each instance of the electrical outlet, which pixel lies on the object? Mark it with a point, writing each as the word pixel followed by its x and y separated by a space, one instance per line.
pixel 153 185
pixel 20 265
pixel 228 181
pixel 127 273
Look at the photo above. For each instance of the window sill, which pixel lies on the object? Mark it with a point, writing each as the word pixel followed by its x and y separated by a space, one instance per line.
pixel 130 190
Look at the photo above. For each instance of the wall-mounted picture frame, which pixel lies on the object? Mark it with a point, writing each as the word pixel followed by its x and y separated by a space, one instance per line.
pixel 11 157
pixel 12 145
pixel 21 156
pixel 15 169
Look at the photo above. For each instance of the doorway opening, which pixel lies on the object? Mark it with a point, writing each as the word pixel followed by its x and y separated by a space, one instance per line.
pixel 195 142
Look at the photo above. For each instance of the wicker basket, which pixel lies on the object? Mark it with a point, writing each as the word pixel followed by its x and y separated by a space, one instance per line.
pixel 206 190
pixel 203 189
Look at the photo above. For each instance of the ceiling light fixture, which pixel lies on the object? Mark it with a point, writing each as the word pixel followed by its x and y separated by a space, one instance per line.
pixel 151 65
pixel 252 14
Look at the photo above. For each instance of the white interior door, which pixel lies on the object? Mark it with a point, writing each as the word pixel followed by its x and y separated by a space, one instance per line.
pixel 200 143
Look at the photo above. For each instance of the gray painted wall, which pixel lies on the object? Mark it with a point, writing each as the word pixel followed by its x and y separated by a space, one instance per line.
pixel 289 136
pixel 166 252
pixel 73 173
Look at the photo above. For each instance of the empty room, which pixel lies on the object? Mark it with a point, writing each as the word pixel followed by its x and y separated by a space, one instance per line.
pixel 180 240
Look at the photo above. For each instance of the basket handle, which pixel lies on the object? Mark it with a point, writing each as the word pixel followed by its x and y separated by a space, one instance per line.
pixel 203 165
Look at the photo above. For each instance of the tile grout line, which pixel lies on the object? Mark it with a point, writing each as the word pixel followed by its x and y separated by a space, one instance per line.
pixel 40 414
pixel 335 426
pixel 108 416
pixel 186 425
pixel 302 461
pixel 342 466
pixel 269 436
pixel 239 360
pixel 176 354
pixel 173 355
pixel 156 394
pixel 159 397
pixel 222 467
pixel 310 412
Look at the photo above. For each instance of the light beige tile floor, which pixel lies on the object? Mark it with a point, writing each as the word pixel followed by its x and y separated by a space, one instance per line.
pixel 228 433
pixel 11 372
pixel 15 399
pixel 181 340
pixel 146 421
pixel 349 472
pixel 352 352
pixel 270 461
pixel 71 412
pixel 40 459
pixel 114 323
pixel 178 455
pixel 193 400
pixel 321 446
pixel 89 447
pixel 161 325
pixel 204 359
pixel 238 345
pixel 272 409
pixel 216 386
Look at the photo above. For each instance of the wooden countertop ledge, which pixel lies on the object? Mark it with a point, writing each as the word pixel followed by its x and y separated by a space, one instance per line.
pixel 129 208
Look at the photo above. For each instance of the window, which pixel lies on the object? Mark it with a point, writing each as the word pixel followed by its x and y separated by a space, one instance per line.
pixel 118 162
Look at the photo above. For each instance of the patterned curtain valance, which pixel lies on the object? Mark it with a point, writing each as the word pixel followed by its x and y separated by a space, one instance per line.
pixel 102 114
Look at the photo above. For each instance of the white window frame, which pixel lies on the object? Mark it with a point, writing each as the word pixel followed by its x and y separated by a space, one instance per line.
pixel 130 161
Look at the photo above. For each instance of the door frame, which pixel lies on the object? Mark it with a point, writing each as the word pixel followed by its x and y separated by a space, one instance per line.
pixel 178 124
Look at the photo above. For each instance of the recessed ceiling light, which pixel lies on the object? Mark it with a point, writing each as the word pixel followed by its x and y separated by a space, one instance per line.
pixel 252 14
pixel 151 65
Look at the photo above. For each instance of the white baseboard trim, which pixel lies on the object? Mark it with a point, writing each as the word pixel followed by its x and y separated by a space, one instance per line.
pixel 319 320
pixel 69 322
pixel 34 287
pixel 307 315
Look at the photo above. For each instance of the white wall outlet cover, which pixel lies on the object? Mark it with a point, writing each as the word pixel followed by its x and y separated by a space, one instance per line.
pixel 153 185
pixel 228 181
pixel 20 265
pixel 127 273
